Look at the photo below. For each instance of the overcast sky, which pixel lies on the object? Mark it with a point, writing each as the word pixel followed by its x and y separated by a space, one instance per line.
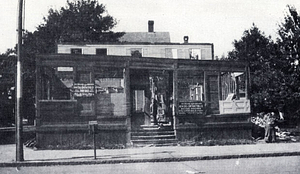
pixel 204 21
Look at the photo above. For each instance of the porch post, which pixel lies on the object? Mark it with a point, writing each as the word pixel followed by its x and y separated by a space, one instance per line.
pixel 126 76
pixel 247 81
pixel 220 86
pixel 175 96
pixel 237 87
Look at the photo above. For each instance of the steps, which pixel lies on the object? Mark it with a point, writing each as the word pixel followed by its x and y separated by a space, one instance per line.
pixel 153 135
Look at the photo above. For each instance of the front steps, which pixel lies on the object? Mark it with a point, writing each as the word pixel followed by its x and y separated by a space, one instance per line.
pixel 153 135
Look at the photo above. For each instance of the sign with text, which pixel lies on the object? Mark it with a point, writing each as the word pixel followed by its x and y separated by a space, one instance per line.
pixel 191 108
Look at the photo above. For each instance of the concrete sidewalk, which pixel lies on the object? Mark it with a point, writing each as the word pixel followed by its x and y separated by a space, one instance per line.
pixel 144 154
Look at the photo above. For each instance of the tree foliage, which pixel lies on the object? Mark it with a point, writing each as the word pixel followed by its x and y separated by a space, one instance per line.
pixel 79 21
pixel 274 66
pixel 289 54
pixel 257 49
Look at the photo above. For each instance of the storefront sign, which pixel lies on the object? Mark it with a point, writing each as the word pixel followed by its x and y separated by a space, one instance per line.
pixel 191 108
pixel 83 90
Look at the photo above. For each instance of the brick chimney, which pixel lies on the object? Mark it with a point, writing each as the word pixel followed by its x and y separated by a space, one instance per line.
pixel 186 39
pixel 150 26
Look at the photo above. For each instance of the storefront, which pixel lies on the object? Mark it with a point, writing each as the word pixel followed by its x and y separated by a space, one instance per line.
pixel 122 93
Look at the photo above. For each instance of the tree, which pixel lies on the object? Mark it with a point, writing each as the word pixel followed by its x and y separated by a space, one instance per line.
pixel 7 70
pixel 288 52
pixel 80 21
pixel 257 49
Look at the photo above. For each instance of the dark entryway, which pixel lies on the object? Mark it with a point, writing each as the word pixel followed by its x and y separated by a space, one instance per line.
pixel 151 96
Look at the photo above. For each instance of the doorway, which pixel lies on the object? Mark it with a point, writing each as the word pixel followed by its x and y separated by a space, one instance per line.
pixel 151 96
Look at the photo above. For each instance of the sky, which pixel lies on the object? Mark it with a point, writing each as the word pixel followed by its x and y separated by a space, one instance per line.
pixel 205 21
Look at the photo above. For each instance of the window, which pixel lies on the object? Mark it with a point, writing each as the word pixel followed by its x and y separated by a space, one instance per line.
pixel 76 51
pixel 191 85
pixel 195 54
pixel 84 77
pixel 136 52
pixel 138 100
pixel 196 92
pixel 109 80
pixel 101 51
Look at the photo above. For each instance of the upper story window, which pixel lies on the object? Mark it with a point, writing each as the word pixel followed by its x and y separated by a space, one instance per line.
pixel 101 51
pixel 135 52
pixel 76 51
pixel 195 54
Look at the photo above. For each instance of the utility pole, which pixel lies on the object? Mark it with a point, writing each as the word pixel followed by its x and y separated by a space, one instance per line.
pixel 19 89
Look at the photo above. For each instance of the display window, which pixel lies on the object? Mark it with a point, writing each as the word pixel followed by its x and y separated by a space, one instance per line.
pixel 97 90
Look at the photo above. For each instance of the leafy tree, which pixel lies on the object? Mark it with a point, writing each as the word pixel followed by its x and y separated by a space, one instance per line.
pixel 288 52
pixel 257 49
pixel 7 71
pixel 80 21
pixel 274 66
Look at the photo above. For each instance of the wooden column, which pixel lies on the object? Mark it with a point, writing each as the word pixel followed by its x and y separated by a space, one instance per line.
pixel 175 95
pixel 38 91
pixel 237 88
pixel 126 76
pixel 220 86
pixel 247 81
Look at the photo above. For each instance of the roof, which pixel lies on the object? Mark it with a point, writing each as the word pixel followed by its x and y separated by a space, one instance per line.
pixel 150 37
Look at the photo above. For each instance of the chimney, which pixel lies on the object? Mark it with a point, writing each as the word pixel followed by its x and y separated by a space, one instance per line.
pixel 150 26
pixel 186 39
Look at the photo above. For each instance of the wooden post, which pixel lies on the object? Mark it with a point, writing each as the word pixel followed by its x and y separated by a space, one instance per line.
pixel 237 87
pixel 19 88
pixel 247 81
pixel 94 140
pixel 126 76
pixel 175 96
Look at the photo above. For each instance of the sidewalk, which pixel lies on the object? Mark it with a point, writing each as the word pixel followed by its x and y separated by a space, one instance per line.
pixel 144 154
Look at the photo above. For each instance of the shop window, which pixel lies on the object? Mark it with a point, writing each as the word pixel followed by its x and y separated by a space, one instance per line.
pixel 233 85
pixel 109 80
pixel 57 83
pixel 190 85
pixel 101 51
pixel 109 91
pixel 233 93
pixel 76 51
pixel 84 77
pixel 196 92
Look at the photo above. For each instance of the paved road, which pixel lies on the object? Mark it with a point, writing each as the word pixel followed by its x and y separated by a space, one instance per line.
pixel 271 165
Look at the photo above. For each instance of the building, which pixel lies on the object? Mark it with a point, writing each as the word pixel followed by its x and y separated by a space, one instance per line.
pixel 170 87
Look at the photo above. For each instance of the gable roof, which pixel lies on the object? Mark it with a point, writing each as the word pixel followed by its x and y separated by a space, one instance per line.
pixel 146 37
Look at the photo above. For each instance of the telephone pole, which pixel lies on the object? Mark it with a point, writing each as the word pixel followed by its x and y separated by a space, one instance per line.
pixel 19 85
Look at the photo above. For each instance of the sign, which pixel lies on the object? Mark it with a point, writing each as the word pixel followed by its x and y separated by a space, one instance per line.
pixel 191 108
pixel 68 69
pixel 93 122
pixel 83 89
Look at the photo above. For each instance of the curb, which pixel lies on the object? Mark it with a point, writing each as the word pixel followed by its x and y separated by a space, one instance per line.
pixel 93 162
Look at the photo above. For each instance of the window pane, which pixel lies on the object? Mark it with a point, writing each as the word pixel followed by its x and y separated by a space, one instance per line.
pixel 101 51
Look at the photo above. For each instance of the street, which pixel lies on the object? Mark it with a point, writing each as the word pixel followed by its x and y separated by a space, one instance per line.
pixel 268 165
